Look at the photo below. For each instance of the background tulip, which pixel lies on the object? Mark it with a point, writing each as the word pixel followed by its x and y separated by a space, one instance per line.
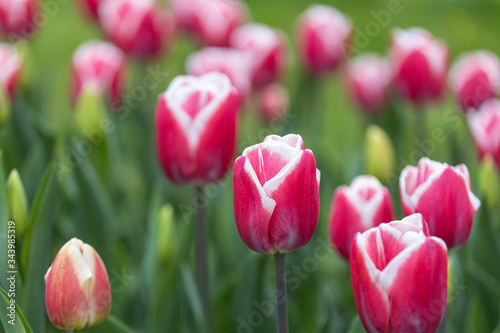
pixel 276 195
pixel 399 277
pixel 356 208
pixel 419 64
pixel 273 101
pixel 442 194
pixel 16 18
pixel 475 78
pixel 11 66
pixel 485 128
pixel 197 128
pixel 77 289
pixel 322 35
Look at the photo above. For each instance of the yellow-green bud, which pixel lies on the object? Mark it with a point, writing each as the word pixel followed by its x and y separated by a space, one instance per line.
pixel 489 181
pixel 165 229
pixel 4 106
pixel 17 202
pixel 380 159
pixel 90 110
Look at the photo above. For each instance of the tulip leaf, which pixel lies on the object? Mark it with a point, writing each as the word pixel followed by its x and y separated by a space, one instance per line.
pixel 356 326
pixel 192 295
pixel 4 216
pixel 15 324
pixel 114 324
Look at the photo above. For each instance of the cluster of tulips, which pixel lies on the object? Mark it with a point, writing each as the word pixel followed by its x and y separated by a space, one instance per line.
pixel 398 268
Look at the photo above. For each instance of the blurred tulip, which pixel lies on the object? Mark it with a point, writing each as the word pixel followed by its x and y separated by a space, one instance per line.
pixel 100 65
pixel 489 182
pixel 89 111
pixel 17 202
pixel 5 107
pixel 442 194
pixel 419 64
pixel 475 78
pixel 11 65
pixel 485 128
pixel 91 7
pixel 165 232
pixel 368 81
pixel 266 48
pixel 235 64
pixel 380 157
pixel 276 195
pixel 399 277
pixel 17 18
pixel 77 289
pixel 356 208
pixel 273 102
pixel 323 35
pixel 141 28
pixel 197 128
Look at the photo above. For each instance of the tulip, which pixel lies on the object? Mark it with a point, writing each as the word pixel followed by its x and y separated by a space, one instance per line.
pixel 77 289
pixel 323 35
pixel 100 65
pixel 267 50
pixel 475 78
pixel 91 7
pixel 399 277
pixel 11 65
pixel 276 195
pixel 17 202
pixel 139 27
pixel 196 128
pixel 485 128
pixel 380 157
pixel 442 194
pixel 273 101
pixel 419 64
pixel 356 208
pixel 17 18
pixel 368 82
pixel 235 64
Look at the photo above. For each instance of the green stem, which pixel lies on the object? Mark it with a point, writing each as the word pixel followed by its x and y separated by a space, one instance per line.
pixel 420 124
pixel 281 297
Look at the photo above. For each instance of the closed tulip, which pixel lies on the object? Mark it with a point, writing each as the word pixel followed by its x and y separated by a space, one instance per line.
pixel 323 35
pixel 276 195
pixel 141 28
pixel 17 18
pixel 90 7
pixel 197 128
pixel 356 208
pixel 442 194
pixel 485 128
pixel 419 64
pixel 77 289
pixel 266 48
pixel 273 102
pixel 399 277
pixel 11 66
pixel 475 78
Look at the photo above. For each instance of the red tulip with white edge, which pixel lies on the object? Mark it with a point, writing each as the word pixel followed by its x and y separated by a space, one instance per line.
pixel 419 64
pixel 17 18
pixel 323 35
pixel 362 205
pixel 276 195
pixel 485 128
pixel 197 128
pixel 400 277
pixel 77 289
pixel 442 194
pixel 100 65
pixel 11 66
pixel 266 47
pixel 475 78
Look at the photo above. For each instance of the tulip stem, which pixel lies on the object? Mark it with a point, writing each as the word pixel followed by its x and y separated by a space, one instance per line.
pixel 421 125
pixel 201 261
pixel 281 298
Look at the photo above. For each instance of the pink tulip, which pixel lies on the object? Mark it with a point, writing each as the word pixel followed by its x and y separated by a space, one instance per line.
pixel 273 101
pixel 139 27
pixel 11 66
pixel 17 18
pixel 442 194
pixel 91 7
pixel 475 78
pixel 399 276
pixel 266 47
pixel 356 208
pixel 100 65
pixel 323 35
pixel 419 64
pixel 235 64
pixel 197 128
pixel 276 195
pixel 368 82
pixel 485 128
pixel 77 289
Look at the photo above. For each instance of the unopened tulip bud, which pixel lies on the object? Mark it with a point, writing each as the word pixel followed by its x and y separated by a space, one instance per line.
pixel 11 66
pixel 77 288
pixel 17 202
pixel 90 110
pixel 380 159
pixel 5 106
pixel 17 18
pixel 489 182
pixel 485 128
pixel 165 231
pixel 273 102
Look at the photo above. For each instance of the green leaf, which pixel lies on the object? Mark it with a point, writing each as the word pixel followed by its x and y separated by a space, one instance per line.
pixel 114 324
pixel 4 216
pixel 192 295
pixel 20 323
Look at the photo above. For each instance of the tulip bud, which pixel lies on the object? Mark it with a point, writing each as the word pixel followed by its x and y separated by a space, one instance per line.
pixel 11 64
pixel 273 101
pixel 442 194
pixel 475 78
pixel 17 18
pixel 266 48
pixel 276 195
pixel 489 182
pixel 17 202
pixel 356 208
pixel 419 64
pixel 399 277
pixel 165 231
pixel 77 288
pixel 4 106
pixel 197 128
pixel 485 128
pixel 380 159
pixel 323 35
pixel 90 110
